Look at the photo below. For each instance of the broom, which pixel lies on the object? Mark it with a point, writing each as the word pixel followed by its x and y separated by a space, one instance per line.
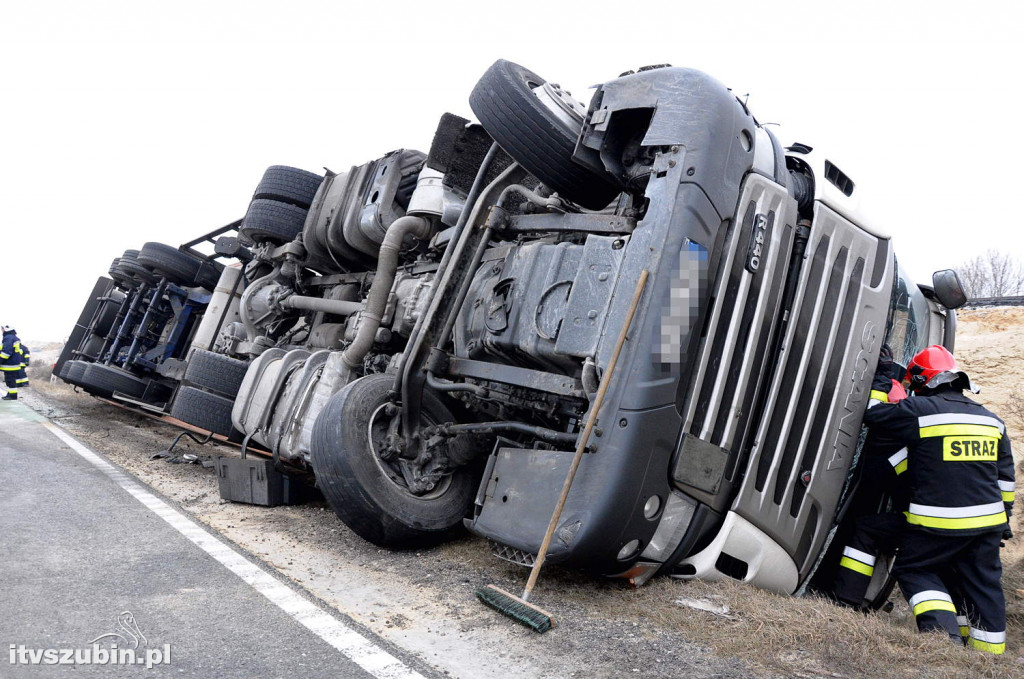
pixel 517 607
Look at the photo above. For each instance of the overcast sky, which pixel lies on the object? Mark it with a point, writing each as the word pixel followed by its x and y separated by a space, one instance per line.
pixel 126 122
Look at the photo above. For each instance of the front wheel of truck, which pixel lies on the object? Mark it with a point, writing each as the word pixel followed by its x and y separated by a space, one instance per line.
pixel 533 123
pixel 368 492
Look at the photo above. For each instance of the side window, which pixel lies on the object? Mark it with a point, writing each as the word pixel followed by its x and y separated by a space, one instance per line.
pixel 908 321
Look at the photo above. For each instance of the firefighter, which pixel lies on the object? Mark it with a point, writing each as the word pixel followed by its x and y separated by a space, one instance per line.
pixel 10 362
pixel 961 486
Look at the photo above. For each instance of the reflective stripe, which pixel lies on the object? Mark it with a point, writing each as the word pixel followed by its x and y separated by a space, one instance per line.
pixel 928 594
pixel 3 355
pixel 899 461
pixel 10 368
pixel 959 418
pixel 1007 486
pixel 956 512
pixel 990 637
pixel 856 566
pixel 995 649
pixel 957 524
pixel 960 430
pixel 957 518
pixel 879 396
pixel 933 605
pixel 863 557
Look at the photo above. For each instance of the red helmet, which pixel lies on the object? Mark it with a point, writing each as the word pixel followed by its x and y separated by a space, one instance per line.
pixel 927 364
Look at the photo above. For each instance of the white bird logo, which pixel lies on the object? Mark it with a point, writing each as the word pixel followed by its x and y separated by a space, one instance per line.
pixel 131 633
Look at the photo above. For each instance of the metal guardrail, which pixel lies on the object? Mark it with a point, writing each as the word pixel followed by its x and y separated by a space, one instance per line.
pixel 983 302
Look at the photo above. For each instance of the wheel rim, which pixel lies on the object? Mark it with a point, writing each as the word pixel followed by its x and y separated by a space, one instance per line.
pixel 395 478
pixel 566 109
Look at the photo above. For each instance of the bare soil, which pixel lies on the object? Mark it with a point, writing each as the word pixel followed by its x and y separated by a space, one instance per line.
pixel 424 601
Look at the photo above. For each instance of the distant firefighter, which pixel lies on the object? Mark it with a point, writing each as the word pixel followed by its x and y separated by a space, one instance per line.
pixel 12 363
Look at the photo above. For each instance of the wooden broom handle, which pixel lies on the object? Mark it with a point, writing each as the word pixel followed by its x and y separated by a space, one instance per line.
pixel 581 445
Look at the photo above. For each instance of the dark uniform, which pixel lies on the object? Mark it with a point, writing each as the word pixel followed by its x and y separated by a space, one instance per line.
pixel 885 467
pixel 11 363
pixel 26 358
pixel 884 464
pixel 960 476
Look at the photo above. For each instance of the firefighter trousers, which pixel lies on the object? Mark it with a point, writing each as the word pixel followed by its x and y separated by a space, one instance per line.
pixel 11 378
pixel 924 557
pixel 872 535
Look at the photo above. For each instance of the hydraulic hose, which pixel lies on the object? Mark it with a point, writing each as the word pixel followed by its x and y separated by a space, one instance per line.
pixel 380 290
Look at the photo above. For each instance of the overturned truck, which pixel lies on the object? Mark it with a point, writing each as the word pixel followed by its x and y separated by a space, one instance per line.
pixel 426 332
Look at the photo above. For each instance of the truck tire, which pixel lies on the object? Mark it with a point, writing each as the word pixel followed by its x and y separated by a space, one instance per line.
pixel 121 279
pixel 288 185
pixel 129 265
pixel 272 220
pixel 73 371
pixel 91 349
pixel 176 266
pixel 204 410
pixel 216 372
pixel 534 136
pixel 363 490
pixel 106 317
pixel 104 380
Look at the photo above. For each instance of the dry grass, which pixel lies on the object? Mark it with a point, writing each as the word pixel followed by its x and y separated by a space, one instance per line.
pixel 775 635
pixel 812 637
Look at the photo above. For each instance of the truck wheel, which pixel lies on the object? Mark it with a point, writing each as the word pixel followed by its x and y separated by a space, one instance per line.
pixel 272 220
pixel 73 371
pixel 129 265
pixel 204 410
pixel 106 317
pixel 288 185
pixel 536 137
pixel 92 348
pixel 121 279
pixel 176 266
pixel 367 493
pixel 104 380
pixel 216 372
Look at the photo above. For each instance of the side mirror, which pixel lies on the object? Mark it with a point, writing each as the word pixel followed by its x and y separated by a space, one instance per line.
pixel 948 289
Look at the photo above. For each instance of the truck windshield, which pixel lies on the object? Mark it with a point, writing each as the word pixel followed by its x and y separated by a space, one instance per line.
pixel 908 321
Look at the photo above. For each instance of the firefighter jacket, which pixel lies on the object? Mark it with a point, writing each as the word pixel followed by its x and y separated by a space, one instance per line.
pixel 26 356
pixel 959 463
pixel 10 353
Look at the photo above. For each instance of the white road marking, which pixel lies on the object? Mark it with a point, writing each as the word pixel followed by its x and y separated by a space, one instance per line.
pixel 357 648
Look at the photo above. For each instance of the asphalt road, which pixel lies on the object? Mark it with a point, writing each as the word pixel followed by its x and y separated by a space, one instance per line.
pixel 82 548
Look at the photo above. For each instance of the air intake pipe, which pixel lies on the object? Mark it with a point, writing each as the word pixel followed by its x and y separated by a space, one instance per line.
pixel 380 290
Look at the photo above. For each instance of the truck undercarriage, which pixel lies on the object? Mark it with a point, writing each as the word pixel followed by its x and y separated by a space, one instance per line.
pixel 426 332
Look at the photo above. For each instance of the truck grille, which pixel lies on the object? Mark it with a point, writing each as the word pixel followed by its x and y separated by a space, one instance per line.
pixel 735 358
pixel 807 433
